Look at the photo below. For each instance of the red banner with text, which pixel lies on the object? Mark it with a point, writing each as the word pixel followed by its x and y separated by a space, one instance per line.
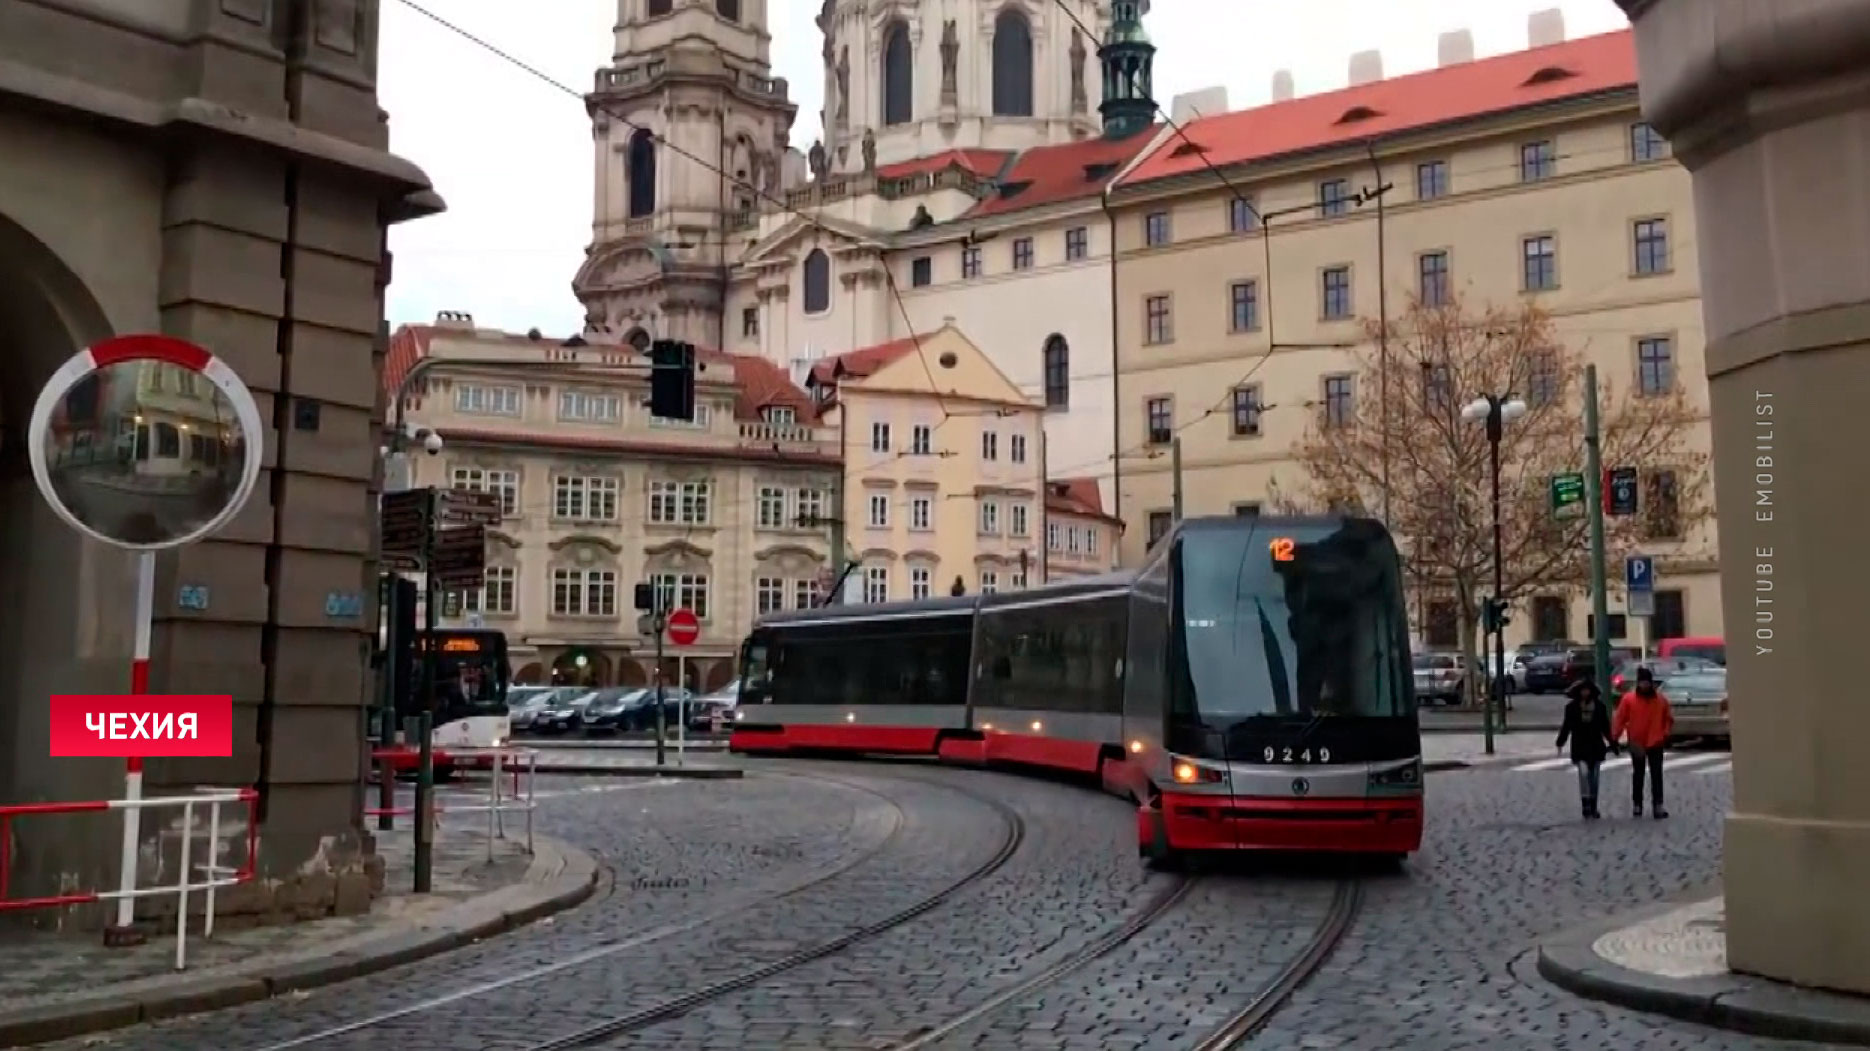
pixel 145 727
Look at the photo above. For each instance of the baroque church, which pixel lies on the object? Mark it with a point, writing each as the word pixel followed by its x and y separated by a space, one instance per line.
pixel 933 115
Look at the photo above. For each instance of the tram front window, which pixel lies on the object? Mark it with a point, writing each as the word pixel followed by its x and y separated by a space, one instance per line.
pixel 1289 622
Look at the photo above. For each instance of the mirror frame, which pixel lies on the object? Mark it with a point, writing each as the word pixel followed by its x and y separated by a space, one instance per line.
pixel 147 347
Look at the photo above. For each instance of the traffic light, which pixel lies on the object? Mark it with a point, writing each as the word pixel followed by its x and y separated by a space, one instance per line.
pixel 1493 616
pixel 645 597
pixel 672 380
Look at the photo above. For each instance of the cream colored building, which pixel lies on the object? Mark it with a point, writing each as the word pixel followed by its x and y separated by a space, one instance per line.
pixel 1524 175
pixel 727 515
pixel 1081 538
pixel 944 466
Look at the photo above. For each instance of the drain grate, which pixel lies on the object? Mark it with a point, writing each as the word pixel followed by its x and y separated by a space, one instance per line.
pixel 659 883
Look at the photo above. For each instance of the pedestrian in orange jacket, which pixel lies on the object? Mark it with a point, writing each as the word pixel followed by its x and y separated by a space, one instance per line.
pixel 1645 720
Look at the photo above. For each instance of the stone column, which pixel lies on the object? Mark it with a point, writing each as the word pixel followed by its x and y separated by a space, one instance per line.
pixel 1766 104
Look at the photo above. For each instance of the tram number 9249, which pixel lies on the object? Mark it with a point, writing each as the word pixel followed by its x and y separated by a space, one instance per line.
pixel 1302 755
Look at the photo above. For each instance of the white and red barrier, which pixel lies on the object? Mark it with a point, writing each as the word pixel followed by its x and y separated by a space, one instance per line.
pixel 509 791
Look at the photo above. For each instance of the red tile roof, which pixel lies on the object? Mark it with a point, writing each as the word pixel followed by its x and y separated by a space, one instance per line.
pixel 1065 172
pixel 864 361
pixel 1076 496
pixel 1587 66
pixel 978 162
pixel 759 383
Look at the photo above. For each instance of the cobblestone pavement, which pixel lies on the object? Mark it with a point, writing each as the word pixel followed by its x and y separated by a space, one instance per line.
pixel 1438 959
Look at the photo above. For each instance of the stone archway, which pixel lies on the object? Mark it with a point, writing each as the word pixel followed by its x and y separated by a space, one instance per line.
pixel 720 673
pixel 532 674
pixel 68 606
pixel 631 673
pixel 581 666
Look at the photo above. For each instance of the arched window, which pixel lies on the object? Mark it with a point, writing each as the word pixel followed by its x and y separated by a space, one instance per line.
pixel 638 339
pixel 1012 65
pixel 658 8
pixel 642 174
pixel 899 70
pixel 729 9
pixel 817 282
pixel 1057 372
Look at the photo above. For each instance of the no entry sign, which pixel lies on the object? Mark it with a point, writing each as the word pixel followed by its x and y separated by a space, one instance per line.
pixel 684 627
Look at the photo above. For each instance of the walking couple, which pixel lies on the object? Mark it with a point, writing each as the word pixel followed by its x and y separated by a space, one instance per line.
pixel 1642 717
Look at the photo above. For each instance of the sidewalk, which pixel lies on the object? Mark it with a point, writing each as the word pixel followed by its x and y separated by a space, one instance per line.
pixel 1452 751
pixel 54 987
pixel 1672 960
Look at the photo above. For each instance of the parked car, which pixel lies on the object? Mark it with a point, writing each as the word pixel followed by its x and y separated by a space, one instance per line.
pixel 1706 647
pixel 1624 677
pixel 614 710
pixel 1522 655
pixel 524 703
pixel 1439 677
pixel 1554 672
pixel 565 713
pixel 702 710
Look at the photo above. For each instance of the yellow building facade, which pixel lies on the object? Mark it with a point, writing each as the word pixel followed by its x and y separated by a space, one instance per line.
pixel 1552 191
pixel 944 462
pixel 726 515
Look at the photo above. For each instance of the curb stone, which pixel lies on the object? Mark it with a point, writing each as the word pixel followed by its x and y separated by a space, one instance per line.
pixel 689 773
pixel 1737 1002
pixel 565 877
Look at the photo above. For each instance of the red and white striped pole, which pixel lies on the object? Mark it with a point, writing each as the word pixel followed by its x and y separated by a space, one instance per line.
pixel 133 766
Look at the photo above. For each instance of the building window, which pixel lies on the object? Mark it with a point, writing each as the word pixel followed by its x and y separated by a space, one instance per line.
pixel 1646 143
pixel 660 7
pixel 728 9
pixel 772 507
pixel 1077 243
pixel 1438 387
pixel 876 584
pixel 1156 229
pixel 1090 541
pixel 921 272
pixel 1247 408
pixel 1243 306
pixel 480 480
pixel 990 518
pixel 898 74
pixel 1551 618
pixel 921 440
pixel 1542 379
pixel 1053 533
pixel 476 400
pixel 918 583
pixel 1057 361
pixel 750 322
pixel 584 592
pixel 1539 269
pixel 1340 401
pixel 805 594
pixel 1334 197
pixel 1432 286
pixel 769 596
pixel 1336 293
pixel 679 503
pixel 817 282
pixel 584 498
pixel 1443 627
pixel 581 407
pixel 989 445
pixel 687 591
pixel 1022 253
pixel 1670 620
pixel 879 511
pixel 1016 520
pixel 970 261
pixel 921 513
pixel 1012 65
pixel 1016 448
pixel 1160 416
pixel 989 582
pixel 497 593
pixel 1431 180
pixel 641 174
pixel 1537 160
pixel 780 415
pixel 1619 627
pixel 1017 580
pixel 1651 241
pixel 1074 541
pixel 811 503
pixel 1655 366
pixel 1158 322
pixel 1241 216
pixel 1160 522
pixel 879 437
pixel 1247 510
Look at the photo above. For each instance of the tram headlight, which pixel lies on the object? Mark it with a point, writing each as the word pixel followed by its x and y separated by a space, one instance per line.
pixel 1402 778
pixel 1186 772
pixel 1136 747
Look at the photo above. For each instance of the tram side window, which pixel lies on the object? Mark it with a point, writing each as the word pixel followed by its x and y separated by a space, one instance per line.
pixel 893 667
pixel 1057 659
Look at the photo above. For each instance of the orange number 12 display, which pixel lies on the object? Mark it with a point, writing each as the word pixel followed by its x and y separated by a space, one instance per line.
pixel 1281 547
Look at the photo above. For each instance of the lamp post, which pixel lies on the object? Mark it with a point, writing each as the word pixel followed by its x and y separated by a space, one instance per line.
pixel 1495 411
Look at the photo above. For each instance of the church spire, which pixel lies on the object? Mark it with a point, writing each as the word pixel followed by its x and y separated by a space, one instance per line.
pixel 1128 57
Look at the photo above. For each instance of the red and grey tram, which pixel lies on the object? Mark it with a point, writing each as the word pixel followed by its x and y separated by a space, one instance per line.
pixel 1249 686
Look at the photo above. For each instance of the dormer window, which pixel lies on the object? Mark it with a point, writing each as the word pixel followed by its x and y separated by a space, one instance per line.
pixel 1548 75
pixel 1357 113
pixel 785 415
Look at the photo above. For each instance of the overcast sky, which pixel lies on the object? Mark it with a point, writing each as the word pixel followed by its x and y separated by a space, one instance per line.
pixel 512 154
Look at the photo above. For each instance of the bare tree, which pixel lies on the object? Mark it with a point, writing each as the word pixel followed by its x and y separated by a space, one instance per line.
pixel 1439 493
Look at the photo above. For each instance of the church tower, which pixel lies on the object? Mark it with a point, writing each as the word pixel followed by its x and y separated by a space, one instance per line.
pixel 1129 60
pixel 913 78
pixel 694 75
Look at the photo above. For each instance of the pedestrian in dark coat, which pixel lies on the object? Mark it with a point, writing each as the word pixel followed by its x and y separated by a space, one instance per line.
pixel 1587 727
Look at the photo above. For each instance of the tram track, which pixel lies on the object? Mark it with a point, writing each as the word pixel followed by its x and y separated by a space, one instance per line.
pixel 1346 900
pixel 608 893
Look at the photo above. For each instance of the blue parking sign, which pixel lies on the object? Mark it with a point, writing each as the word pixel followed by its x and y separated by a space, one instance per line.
pixel 1639 573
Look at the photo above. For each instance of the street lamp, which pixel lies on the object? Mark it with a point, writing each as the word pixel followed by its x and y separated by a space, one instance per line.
pixel 1495 411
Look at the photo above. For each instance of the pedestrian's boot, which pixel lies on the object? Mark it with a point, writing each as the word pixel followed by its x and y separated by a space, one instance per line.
pixel 1586 804
pixel 1636 809
pixel 1659 813
pixel 1590 809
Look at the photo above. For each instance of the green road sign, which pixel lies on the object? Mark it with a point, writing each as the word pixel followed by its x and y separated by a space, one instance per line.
pixel 1568 495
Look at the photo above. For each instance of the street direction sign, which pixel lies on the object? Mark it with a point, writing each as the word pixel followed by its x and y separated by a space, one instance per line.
pixel 468 507
pixel 1568 495
pixel 1639 580
pixel 460 557
pixel 403 523
pixel 684 627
